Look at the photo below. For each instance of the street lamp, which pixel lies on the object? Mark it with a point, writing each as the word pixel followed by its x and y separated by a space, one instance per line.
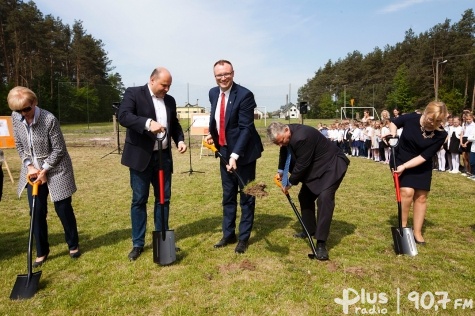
pixel 437 78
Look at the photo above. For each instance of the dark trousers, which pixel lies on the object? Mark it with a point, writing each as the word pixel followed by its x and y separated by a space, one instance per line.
pixel 247 202
pixel 140 183
pixel 65 213
pixel 319 226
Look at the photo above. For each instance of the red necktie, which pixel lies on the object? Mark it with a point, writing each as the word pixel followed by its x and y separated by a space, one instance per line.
pixel 222 136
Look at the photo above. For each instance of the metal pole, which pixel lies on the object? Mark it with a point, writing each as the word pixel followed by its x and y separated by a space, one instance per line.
pixel 437 78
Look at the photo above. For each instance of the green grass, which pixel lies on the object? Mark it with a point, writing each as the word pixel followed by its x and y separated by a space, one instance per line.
pixel 274 277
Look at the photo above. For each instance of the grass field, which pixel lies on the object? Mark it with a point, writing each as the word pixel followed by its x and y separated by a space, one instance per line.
pixel 274 277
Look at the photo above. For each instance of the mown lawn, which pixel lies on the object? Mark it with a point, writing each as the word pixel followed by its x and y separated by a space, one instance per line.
pixel 274 277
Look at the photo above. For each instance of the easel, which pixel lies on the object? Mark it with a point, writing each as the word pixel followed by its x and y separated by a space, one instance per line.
pixel 6 140
pixel 2 157
pixel 8 169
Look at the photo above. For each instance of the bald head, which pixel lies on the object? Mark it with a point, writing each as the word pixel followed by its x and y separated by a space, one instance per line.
pixel 160 81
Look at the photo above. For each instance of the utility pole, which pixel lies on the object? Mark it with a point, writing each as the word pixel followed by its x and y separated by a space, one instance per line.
pixel 437 78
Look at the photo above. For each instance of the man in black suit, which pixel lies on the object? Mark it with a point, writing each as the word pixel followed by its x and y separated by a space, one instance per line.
pixel 233 132
pixel 148 113
pixel 320 166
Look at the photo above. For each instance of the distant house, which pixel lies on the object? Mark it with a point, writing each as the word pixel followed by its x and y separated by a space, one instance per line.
pixel 259 115
pixel 289 110
pixel 189 109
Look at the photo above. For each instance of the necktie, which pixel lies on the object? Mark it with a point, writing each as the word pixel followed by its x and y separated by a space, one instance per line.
pixel 285 176
pixel 222 136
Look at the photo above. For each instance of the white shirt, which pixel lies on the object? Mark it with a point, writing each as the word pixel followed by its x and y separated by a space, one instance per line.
pixel 161 115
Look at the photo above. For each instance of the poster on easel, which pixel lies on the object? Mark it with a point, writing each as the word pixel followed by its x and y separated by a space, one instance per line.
pixel 200 124
pixel 6 140
pixel 6 132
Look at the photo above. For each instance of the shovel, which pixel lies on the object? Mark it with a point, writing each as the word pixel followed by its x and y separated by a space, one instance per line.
pixel 215 150
pixel 312 245
pixel 404 242
pixel 164 251
pixel 26 285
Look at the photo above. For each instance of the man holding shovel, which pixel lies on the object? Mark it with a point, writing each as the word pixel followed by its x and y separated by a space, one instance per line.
pixel 147 112
pixel 320 166
pixel 233 132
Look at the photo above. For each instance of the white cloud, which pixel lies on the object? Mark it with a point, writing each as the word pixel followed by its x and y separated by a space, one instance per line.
pixel 271 44
pixel 401 5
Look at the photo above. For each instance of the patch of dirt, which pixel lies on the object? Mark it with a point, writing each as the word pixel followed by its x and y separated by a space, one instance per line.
pixel 256 189
pixel 332 266
pixel 230 267
pixel 356 271
pixel 247 265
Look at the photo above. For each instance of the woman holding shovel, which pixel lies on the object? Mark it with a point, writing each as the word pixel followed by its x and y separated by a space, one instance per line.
pixel 423 135
pixel 42 149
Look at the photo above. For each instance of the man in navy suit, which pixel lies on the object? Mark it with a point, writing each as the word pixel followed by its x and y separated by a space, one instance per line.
pixel 148 113
pixel 232 130
pixel 320 166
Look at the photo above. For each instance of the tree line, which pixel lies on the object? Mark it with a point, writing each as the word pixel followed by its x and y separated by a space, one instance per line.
pixel 70 72
pixel 67 68
pixel 401 76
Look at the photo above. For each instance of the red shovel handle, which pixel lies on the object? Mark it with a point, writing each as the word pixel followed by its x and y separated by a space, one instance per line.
pixel 396 184
pixel 161 179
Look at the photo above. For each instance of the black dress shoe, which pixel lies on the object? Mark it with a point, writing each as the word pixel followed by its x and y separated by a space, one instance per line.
pixel 322 252
pixel 75 255
pixel 302 235
pixel 422 243
pixel 225 241
pixel 241 246
pixel 37 264
pixel 135 253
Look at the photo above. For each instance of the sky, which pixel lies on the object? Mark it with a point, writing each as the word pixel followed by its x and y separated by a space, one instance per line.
pixel 275 46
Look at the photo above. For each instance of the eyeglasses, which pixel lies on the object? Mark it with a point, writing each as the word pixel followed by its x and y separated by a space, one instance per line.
pixel 24 110
pixel 226 75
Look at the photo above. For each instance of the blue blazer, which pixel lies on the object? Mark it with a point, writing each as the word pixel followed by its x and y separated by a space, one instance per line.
pixel 136 107
pixel 241 134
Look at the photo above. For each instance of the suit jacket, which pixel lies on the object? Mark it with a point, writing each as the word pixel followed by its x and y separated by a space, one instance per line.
pixel 48 146
pixel 241 134
pixel 136 107
pixel 317 161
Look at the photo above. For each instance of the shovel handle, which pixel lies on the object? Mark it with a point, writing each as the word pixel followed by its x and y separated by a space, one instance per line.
pixel 396 184
pixel 35 184
pixel 215 151
pixel 277 181
pixel 210 146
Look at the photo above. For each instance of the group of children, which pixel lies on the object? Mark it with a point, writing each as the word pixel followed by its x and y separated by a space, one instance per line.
pixel 366 138
pixel 361 138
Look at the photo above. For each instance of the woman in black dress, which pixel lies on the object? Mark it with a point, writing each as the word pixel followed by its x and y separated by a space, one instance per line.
pixel 422 136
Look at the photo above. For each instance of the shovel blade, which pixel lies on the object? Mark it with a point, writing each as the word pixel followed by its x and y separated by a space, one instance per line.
pixel 25 288
pixel 164 251
pixel 404 243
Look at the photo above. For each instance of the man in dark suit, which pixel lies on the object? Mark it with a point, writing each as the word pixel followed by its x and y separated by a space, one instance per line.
pixel 320 166
pixel 233 132
pixel 149 113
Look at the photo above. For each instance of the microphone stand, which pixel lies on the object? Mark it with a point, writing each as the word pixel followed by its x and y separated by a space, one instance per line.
pixel 189 149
